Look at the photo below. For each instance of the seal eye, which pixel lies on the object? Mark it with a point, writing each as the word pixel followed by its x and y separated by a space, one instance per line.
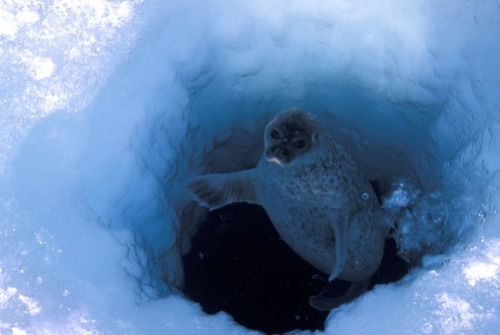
pixel 300 144
pixel 275 134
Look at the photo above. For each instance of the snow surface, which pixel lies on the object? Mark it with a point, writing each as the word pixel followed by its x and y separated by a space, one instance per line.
pixel 107 106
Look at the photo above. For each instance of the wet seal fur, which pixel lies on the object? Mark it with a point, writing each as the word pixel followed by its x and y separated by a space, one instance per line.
pixel 316 196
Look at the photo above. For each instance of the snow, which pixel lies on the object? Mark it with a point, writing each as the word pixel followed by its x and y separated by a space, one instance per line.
pixel 108 106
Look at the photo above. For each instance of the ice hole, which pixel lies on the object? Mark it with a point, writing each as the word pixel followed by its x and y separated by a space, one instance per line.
pixel 202 118
pixel 207 255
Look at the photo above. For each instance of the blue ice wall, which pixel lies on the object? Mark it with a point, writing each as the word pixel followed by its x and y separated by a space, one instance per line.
pixel 101 124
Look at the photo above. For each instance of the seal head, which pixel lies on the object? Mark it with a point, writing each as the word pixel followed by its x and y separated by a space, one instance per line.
pixel 290 136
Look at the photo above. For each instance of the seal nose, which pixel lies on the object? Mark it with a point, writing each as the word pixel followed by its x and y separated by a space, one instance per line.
pixel 279 152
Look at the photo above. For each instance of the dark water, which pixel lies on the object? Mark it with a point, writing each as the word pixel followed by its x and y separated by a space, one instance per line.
pixel 239 264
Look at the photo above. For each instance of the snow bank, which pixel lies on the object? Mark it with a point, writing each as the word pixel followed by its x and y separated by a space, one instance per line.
pixel 107 108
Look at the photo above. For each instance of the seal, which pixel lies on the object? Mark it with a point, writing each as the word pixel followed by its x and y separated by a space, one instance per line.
pixel 318 199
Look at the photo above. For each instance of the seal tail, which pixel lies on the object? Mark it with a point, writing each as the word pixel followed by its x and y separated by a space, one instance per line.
pixel 324 303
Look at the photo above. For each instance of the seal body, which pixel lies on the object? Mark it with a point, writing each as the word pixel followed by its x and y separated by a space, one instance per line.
pixel 314 193
pixel 305 201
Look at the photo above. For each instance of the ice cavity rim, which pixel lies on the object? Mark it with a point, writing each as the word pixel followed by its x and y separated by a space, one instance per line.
pixel 203 126
pixel 432 216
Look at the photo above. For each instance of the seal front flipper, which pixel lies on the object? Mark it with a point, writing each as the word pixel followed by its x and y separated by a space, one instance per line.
pixel 339 225
pixel 217 190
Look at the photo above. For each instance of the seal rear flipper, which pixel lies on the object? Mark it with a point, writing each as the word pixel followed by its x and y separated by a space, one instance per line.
pixel 217 190
pixel 324 303
pixel 339 225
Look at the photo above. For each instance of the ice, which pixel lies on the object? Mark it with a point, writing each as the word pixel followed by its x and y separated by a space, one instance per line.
pixel 107 107
pixel 443 299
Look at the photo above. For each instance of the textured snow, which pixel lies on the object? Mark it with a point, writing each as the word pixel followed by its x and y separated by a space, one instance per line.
pixel 108 106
